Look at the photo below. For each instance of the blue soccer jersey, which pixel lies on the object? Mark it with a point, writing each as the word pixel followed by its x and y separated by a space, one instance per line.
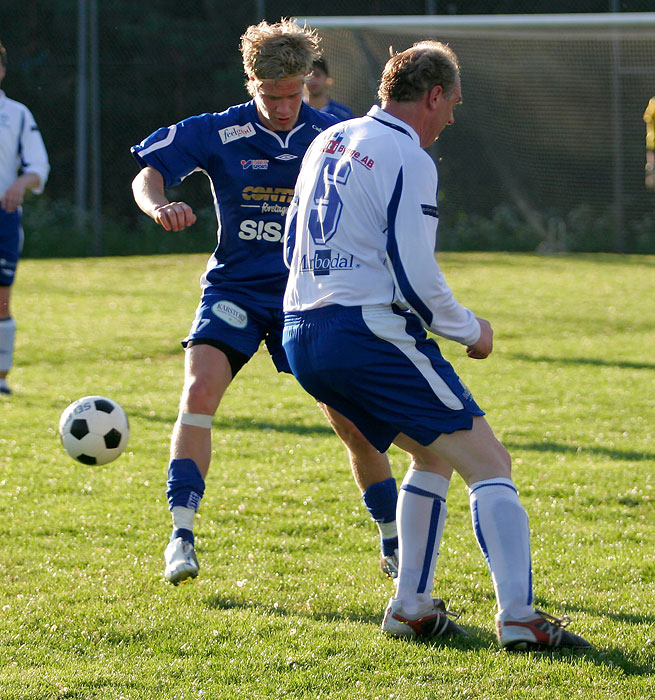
pixel 253 171
pixel 339 110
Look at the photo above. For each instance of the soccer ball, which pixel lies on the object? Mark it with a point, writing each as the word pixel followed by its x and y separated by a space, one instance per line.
pixel 94 430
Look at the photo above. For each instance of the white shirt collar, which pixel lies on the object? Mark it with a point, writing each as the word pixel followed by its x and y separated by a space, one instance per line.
pixel 378 113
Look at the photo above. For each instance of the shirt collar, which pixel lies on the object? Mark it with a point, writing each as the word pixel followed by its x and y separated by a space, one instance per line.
pixel 378 113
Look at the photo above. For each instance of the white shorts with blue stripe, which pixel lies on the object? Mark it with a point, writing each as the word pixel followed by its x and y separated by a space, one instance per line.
pixel 376 366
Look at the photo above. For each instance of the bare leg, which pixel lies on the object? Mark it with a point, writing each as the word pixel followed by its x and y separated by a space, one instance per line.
pixel 368 465
pixel 475 454
pixel 372 473
pixel 7 331
pixel 207 376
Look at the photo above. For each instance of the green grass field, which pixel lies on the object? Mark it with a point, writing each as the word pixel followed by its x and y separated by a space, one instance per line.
pixel 289 599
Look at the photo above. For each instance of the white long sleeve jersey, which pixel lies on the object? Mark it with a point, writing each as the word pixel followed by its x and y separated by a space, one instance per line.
pixel 21 145
pixel 362 227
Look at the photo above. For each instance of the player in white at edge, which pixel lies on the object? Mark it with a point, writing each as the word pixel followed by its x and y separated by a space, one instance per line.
pixel 23 166
pixel 364 285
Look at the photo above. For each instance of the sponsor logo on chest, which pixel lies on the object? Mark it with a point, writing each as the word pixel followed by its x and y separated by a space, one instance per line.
pixel 232 133
pixel 255 164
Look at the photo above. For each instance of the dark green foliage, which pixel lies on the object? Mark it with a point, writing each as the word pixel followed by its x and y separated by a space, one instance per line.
pixel 171 59
pixel 583 230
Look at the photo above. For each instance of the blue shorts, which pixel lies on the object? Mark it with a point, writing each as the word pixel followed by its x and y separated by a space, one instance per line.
pixel 377 367
pixel 240 324
pixel 11 244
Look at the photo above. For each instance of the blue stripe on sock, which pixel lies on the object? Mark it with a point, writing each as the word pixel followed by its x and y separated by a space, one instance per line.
pixel 495 483
pixel 429 547
pixel 422 492
pixel 389 546
pixel 530 592
pixel 186 535
pixel 478 534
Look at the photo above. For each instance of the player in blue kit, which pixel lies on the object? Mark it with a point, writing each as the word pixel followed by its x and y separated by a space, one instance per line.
pixel 23 166
pixel 318 92
pixel 251 154
pixel 364 285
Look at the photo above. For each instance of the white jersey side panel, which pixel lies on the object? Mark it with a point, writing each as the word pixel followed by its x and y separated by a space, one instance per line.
pixel 21 146
pixel 362 228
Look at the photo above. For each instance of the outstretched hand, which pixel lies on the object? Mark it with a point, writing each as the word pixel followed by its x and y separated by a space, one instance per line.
pixel 484 345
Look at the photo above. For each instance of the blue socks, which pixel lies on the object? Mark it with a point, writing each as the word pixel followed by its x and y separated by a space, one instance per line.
pixel 380 499
pixel 184 488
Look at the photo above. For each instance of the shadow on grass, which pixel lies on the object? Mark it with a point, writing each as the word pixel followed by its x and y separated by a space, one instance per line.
pixel 627 455
pixel 242 423
pixel 476 639
pixel 591 361
pixel 223 422
pixel 616 616
pixel 219 602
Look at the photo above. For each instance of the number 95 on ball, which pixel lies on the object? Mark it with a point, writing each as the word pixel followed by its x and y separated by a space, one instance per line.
pixel 94 430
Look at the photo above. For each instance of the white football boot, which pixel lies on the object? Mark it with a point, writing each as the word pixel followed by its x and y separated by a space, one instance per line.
pixel 181 561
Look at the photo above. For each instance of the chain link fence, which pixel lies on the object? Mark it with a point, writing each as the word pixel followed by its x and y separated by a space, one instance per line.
pixel 150 66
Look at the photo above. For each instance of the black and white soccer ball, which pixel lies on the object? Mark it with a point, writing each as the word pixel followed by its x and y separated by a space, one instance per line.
pixel 94 430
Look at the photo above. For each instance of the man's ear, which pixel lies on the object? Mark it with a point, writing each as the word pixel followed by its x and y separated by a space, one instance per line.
pixel 434 95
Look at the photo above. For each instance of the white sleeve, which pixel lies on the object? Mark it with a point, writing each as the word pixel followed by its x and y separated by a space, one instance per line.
pixel 34 157
pixel 413 220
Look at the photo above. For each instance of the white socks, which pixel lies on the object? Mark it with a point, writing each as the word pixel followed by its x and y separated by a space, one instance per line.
pixel 7 335
pixel 501 528
pixel 421 516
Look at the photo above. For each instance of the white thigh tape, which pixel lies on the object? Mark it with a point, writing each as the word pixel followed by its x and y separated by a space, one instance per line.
pixel 198 420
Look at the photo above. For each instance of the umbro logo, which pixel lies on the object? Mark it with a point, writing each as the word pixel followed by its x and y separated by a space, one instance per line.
pixel 286 156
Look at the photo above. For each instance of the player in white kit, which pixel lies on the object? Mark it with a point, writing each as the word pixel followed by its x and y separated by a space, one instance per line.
pixel 364 286
pixel 23 166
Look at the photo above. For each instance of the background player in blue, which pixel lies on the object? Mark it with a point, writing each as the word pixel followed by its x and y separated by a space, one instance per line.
pixel 364 285
pixel 318 92
pixel 251 154
pixel 23 166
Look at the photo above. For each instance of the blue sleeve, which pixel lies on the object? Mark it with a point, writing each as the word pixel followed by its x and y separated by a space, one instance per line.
pixel 176 151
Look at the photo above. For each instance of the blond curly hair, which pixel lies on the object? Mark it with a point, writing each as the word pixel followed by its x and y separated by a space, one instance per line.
pixel 277 51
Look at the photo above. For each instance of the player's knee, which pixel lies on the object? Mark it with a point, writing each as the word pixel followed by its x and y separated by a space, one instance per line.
pixel 427 461
pixel 201 395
